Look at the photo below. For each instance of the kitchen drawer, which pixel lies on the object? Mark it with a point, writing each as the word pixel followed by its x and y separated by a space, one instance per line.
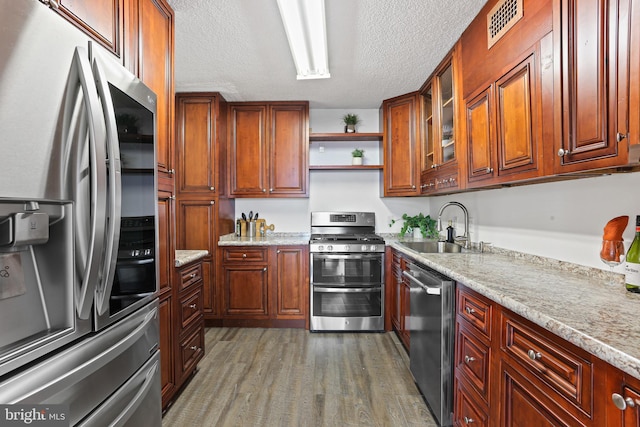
pixel 190 275
pixel 244 254
pixel 467 409
pixel 190 308
pixel 472 360
pixel 563 368
pixel 475 309
pixel 191 350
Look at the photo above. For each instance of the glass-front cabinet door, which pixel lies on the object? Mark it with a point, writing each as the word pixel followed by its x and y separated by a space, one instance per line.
pixel 439 130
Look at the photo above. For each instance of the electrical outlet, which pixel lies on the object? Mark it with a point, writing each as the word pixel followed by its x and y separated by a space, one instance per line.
pixel 321 149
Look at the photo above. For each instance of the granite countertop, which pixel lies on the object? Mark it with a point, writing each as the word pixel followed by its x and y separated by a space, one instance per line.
pixel 574 302
pixel 184 257
pixel 271 239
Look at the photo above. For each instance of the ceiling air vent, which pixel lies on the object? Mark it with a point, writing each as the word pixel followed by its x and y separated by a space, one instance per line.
pixel 501 18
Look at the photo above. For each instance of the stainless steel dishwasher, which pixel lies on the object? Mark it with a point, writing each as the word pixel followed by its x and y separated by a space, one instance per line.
pixel 431 329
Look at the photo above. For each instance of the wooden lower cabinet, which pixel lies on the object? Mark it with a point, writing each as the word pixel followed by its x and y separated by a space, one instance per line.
pixel 182 326
pixel 399 298
pixel 265 286
pixel 511 372
pixel 167 372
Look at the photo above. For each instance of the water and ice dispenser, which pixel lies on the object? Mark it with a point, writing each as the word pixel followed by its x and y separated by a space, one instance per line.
pixel 36 274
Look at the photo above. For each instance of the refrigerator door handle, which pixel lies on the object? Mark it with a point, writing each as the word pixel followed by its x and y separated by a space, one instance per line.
pixel 114 191
pixel 89 243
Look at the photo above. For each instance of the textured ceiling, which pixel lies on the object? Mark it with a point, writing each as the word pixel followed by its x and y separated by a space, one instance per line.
pixel 378 49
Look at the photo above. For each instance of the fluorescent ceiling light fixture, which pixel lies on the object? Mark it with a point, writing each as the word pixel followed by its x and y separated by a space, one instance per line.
pixel 305 25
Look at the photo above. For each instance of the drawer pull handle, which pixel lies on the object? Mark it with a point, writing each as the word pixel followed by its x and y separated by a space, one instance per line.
pixel 244 255
pixel 468 420
pixel 622 403
pixel 534 355
pixel 469 310
pixel 193 306
pixel 194 348
pixel 469 359
pixel 192 275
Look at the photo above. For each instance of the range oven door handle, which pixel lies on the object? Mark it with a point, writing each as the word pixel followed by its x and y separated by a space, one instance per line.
pixel 321 255
pixel 429 290
pixel 346 290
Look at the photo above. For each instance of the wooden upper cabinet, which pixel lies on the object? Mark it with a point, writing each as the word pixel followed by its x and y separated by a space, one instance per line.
pixel 268 149
pixel 154 44
pixel 401 145
pixel 200 129
pixel 594 39
pixel 247 149
pixel 100 19
pixel 634 73
pixel 289 149
pixel 441 128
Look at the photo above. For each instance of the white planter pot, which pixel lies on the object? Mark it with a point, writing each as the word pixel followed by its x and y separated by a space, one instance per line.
pixel 356 160
pixel 417 233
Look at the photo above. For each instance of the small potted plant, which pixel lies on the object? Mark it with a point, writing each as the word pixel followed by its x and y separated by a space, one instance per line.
pixel 420 225
pixel 357 155
pixel 350 122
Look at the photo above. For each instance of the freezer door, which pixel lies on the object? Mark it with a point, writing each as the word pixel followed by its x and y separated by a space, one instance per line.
pixel 85 375
pixel 138 403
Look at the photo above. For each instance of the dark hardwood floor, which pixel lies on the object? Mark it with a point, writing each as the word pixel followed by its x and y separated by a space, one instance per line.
pixel 291 377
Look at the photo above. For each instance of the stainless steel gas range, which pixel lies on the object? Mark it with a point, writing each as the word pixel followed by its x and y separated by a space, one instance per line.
pixel 346 272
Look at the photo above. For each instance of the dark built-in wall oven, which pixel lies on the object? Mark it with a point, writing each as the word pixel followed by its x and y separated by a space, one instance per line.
pixel 346 272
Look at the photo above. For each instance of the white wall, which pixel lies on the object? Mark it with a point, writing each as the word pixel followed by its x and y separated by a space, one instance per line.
pixel 561 220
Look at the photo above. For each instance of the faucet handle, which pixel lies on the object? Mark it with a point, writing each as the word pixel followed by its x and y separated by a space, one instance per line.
pixel 482 245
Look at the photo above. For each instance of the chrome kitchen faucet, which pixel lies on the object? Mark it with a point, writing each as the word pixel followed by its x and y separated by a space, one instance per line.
pixel 465 236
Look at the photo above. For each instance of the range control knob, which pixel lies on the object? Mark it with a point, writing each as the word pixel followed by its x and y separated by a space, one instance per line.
pixel 373 248
pixel 321 248
pixel 347 248
pixel 364 248
pixel 330 248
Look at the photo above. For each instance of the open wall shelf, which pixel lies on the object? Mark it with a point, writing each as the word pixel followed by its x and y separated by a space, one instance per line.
pixel 355 136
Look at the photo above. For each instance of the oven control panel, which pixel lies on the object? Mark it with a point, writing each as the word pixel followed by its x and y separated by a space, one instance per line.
pixel 343 248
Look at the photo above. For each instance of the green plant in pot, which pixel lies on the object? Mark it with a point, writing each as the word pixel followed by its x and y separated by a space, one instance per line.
pixel 350 120
pixel 357 155
pixel 426 225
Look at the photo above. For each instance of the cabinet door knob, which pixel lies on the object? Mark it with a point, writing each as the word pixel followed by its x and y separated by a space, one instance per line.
pixel 469 359
pixel 192 275
pixel 212 188
pixel 534 355
pixel 194 348
pixel 171 171
pixel 278 251
pixel 271 190
pixel 193 306
pixel 489 170
pixel 468 420
pixel 620 136
pixel 562 152
pixel 264 269
pixel 264 190
pixel 622 403
pixel 469 310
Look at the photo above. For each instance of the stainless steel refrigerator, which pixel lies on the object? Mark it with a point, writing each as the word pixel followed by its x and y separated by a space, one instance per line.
pixel 79 323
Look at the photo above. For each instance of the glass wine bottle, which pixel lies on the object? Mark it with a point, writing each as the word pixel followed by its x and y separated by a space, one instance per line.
pixel 632 266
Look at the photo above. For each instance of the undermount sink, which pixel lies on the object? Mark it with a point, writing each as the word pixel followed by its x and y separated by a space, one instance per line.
pixel 432 247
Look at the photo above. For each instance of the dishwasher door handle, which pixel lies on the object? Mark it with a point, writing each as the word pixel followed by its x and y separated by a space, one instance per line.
pixel 428 290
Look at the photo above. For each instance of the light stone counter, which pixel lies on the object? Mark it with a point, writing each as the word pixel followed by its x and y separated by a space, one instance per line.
pixel 184 257
pixel 271 239
pixel 574 302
